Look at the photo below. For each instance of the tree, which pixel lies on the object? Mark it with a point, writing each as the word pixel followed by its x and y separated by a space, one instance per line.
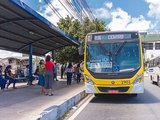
pixel 77 30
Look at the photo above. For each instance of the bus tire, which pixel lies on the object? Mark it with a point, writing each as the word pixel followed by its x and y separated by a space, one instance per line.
pixel 158 83
pixel 134 95
pixel 97 95
pixel 152 79
pixel 153 82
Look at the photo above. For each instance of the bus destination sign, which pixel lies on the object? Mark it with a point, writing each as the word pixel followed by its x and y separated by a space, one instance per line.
pixel 113 36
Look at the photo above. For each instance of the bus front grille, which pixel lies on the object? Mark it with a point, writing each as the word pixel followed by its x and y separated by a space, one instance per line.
pixel 107 89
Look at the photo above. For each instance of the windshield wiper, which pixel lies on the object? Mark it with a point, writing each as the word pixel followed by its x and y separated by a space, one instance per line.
pixel 129 69
pixel 106 51
pixel 120 48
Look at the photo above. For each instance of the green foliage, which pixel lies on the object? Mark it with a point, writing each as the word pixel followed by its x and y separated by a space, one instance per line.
pixel 78 31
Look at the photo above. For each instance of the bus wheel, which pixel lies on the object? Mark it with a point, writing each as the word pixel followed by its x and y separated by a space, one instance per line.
pixel 97 95
pixel 134 95
pixel 153 82
pixel 158 83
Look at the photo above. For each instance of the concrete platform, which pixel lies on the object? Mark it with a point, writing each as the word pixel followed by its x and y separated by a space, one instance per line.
pixel 27 103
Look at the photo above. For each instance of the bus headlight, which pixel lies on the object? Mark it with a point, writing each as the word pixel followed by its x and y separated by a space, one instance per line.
pixel 89 80
pixel 138 79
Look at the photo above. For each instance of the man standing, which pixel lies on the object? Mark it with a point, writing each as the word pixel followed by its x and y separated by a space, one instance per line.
pixel 55 71
pixel 26 74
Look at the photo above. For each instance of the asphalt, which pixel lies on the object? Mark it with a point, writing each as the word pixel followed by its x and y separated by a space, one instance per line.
pixel 27 103
pixel 123 107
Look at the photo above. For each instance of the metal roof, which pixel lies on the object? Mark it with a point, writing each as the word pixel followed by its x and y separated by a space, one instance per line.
pixel 150 38
pixel 21 26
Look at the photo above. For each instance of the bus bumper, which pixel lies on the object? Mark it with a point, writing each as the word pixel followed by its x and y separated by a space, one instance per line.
pixel 136 88
pixel 90 88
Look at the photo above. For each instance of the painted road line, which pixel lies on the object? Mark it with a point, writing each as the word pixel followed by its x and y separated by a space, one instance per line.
pixel 81 108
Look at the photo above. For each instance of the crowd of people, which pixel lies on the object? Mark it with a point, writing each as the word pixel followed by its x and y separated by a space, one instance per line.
pixel 46 71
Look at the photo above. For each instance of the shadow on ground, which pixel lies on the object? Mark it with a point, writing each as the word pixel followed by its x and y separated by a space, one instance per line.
pixel 145 98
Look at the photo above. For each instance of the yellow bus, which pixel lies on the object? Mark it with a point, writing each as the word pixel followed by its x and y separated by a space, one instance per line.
pixel 113 63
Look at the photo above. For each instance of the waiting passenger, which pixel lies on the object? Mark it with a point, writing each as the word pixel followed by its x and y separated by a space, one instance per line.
pixel 2 80
pixel 48 76
pixel 9 76
pixel 78 72
pixel 26 73
pixel 62 70
pixel 55 71
pixel 41 81
pixel 69 72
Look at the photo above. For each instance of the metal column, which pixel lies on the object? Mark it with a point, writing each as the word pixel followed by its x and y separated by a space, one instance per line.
pixel 30 64
pixel 53 55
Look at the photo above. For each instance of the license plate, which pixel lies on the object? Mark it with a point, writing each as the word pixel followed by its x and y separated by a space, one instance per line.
pixel 113 91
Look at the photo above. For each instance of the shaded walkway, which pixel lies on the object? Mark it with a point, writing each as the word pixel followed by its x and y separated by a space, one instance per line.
pixel 28 103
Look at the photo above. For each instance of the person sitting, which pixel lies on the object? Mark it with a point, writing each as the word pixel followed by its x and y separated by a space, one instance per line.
pixel 9 76
pixel 2 80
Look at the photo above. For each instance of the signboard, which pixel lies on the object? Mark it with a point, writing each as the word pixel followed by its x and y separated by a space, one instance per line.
pixel 113 36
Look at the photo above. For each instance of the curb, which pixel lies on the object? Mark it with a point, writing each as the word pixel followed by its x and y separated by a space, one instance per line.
pixel 57 111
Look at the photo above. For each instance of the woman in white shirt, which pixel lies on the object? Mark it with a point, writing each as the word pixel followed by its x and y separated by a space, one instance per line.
pixel 69 72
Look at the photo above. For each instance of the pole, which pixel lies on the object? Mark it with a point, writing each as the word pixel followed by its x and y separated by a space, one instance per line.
pixel 53 55
pixel 30 65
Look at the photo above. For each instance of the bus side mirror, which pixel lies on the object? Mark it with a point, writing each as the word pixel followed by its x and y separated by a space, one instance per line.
pixel 80 49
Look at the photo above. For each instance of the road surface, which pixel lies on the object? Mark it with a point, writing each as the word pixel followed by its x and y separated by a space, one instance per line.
pixel 123 107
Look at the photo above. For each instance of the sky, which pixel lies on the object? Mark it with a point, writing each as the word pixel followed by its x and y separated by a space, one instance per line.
pixel 141 15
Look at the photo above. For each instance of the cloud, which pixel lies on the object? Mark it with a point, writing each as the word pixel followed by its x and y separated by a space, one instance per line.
pixel 121 20
pixel 102 13
pixel 109 5
pixel 154 8
pixel 139 23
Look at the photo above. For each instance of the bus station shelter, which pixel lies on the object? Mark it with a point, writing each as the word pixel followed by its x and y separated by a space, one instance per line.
pixel 23 30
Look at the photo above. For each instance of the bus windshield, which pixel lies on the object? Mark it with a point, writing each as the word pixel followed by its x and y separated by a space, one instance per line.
pixel 113 57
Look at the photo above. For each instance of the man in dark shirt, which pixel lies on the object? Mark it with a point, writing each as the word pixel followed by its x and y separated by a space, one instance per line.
pixel 9 76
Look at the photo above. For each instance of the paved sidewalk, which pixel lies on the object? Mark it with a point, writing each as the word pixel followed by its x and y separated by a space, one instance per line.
pixel 26 103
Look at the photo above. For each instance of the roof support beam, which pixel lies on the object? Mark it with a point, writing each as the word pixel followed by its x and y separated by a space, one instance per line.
pixel 18 22
pixel 15 13
pixel 21 48
pixel 14 20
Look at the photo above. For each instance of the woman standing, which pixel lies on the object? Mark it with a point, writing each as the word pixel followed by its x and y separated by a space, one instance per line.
pixel 41 81
pixel 69 71
pixel 78 72
pixel 48 76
